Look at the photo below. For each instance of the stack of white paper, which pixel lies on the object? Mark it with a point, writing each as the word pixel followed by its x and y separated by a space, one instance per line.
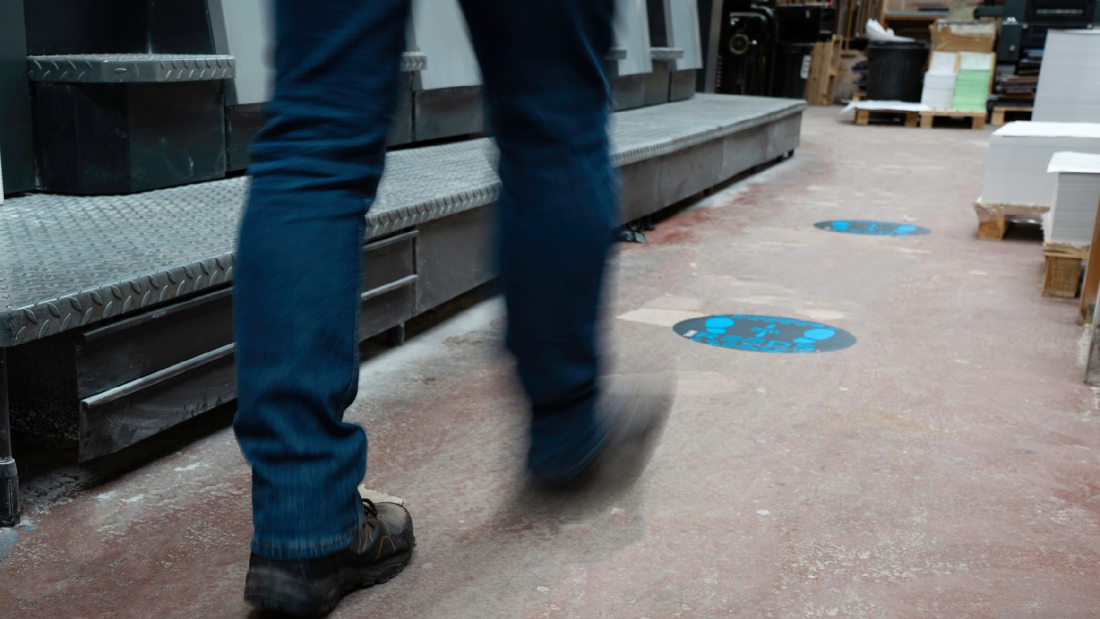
pixel 1076 198
pixel 1019 154
pixel 939 81
pixel 1069 80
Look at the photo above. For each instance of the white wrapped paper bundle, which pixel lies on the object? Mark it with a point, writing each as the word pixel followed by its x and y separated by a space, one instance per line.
pixel 1020 153
pixel 1076 198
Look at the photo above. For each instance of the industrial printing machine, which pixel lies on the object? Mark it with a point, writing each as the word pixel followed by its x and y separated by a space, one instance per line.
pixel 657 52
pixel 759 47
pixel 124 131
pixel 1026 23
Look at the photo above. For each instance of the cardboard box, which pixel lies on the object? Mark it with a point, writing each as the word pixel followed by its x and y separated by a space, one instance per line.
pixel 968 36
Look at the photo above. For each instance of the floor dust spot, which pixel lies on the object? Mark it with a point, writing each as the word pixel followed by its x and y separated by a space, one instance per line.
pixel 977 273
pixel 705 383
pixel 479 336
pixel 909 167
pixel 659 317
pixel 8 538
pixel 670 302
pixel 763 512
pixel 907 250
pixel 779 245
pixel 1083 344
pixel 821 314
pixel 542 589
pixel 375 496
pixel 189 467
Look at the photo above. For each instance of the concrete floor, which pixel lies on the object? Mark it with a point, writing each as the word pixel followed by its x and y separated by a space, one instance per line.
pixel 947 465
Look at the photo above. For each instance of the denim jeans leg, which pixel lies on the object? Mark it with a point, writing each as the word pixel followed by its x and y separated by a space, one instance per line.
pixel 549 102
pixel 315 169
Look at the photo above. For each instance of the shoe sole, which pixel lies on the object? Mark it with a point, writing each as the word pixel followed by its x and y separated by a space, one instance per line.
pixel 274 591
pixel 625 456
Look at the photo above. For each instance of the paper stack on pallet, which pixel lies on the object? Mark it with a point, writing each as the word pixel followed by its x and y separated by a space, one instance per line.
pixel 1019 154
pixel 939 81
pixel 1076 198
pixel 972 83
pixel 1069 81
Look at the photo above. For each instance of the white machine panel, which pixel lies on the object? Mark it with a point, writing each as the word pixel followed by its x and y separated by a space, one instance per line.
pixel 632 34
pixel 438 29
pixel 682 21
pixel 247 34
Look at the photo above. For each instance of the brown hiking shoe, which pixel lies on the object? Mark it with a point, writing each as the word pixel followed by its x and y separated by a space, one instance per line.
pixel 311 587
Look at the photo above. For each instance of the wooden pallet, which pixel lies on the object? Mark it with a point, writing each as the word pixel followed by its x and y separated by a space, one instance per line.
pixel 824 72
pixel 1091 285
pixel 863 117
pixel 993 219
pixel 999 112
pixel 1062 269
pixel 977 118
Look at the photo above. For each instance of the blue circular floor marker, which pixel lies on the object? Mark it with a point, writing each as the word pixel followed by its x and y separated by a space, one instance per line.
pixel 765 334
pixel 873 228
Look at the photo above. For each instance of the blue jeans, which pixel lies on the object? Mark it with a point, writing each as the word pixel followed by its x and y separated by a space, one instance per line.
pixel 315 169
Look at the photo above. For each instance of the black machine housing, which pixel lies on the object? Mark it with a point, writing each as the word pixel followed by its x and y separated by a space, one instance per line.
pixel 763 49
pixel 1026 23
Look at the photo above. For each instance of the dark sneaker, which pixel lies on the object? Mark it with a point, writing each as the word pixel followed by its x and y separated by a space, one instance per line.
pixel 632 411
pixel 313 587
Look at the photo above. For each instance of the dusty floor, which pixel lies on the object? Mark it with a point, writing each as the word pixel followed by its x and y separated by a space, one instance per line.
pixel 947 465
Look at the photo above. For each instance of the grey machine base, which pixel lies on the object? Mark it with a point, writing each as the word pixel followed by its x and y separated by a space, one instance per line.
pixel 629 92
pixel 427 115
pixel 116 314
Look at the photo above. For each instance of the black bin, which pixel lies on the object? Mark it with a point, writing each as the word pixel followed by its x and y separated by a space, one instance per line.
pixel 894 70
pixel 792 67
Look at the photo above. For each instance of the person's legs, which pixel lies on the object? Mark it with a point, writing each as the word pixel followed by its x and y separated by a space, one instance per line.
pixel 315 168
pixel 548 101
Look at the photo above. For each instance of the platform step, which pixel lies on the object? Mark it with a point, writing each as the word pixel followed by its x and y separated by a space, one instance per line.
pixel 74 261
pixel 413 61
pixel 130 68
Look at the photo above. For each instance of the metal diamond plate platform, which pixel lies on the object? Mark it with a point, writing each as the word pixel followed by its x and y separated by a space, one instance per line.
pixel 413 61
pixel 130 68
pixel 666 53
pixel 71 261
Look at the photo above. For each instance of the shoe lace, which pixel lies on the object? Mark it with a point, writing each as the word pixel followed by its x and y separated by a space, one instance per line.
pixel 369 507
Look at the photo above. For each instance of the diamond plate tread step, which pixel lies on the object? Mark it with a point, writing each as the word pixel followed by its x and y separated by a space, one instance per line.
pixel 666 53
pixel 413 61
pixel 130 68
pixel 67 262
